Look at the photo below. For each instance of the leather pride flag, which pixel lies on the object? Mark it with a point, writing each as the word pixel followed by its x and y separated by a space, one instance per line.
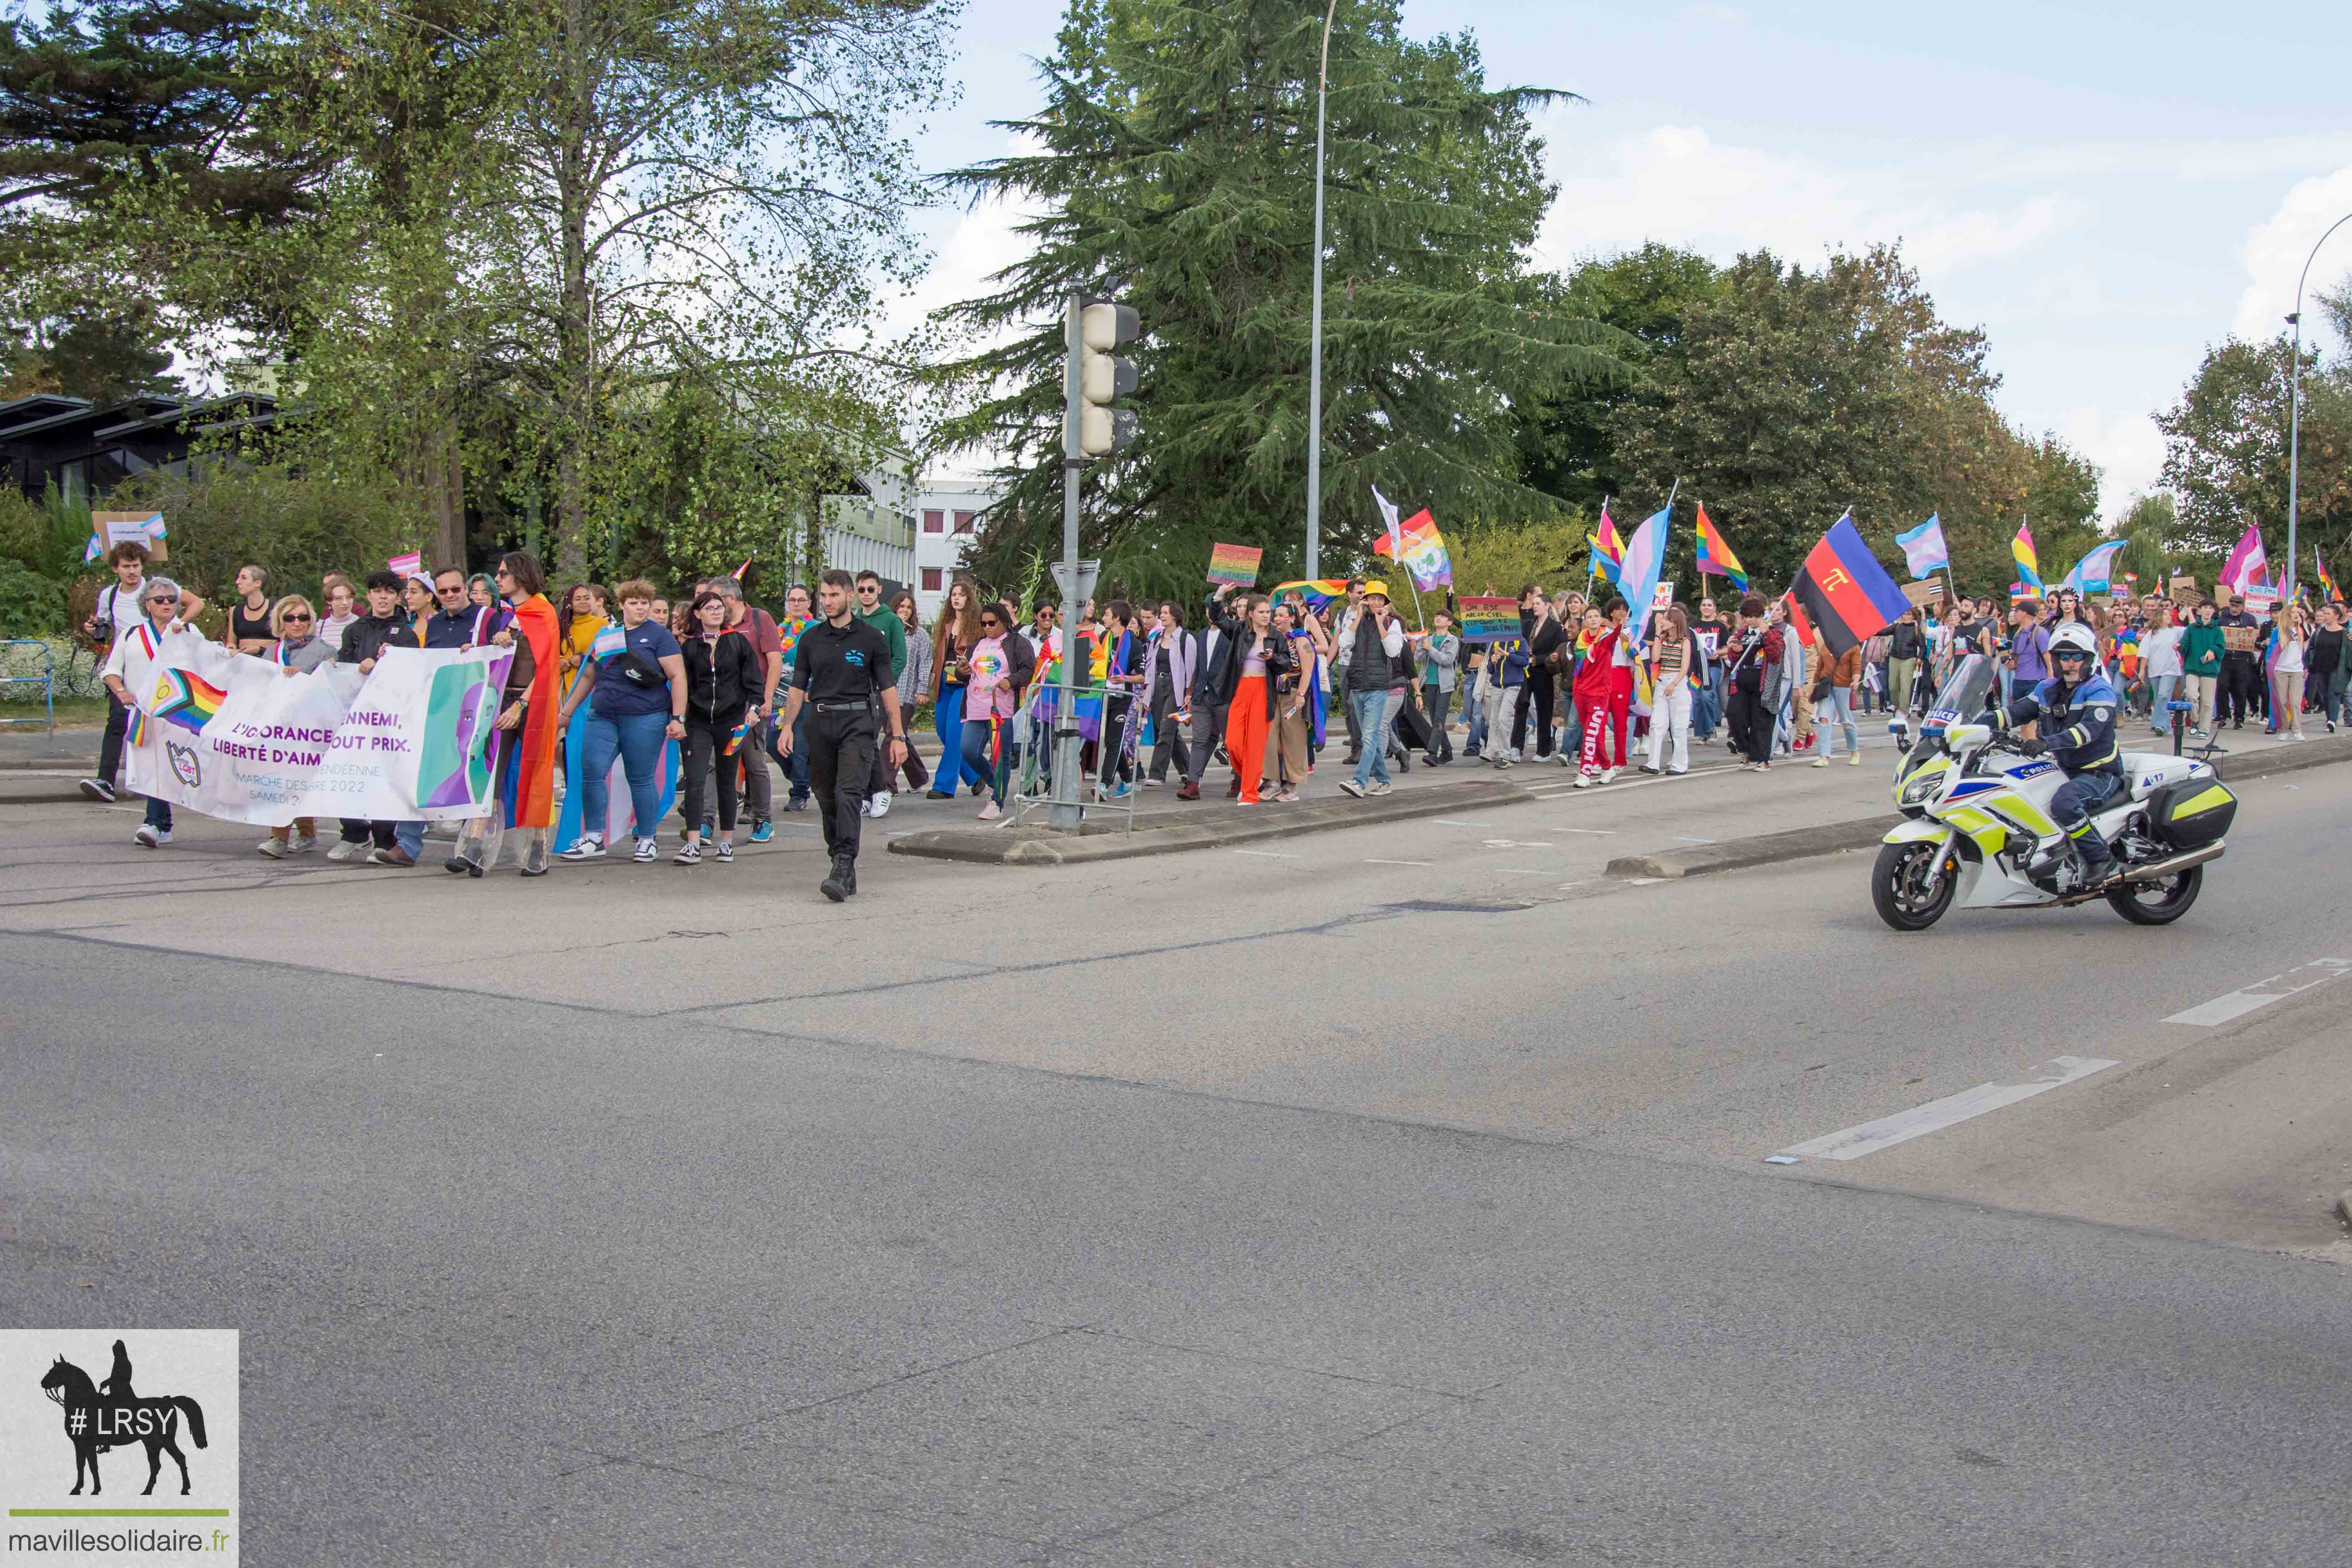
pixel 1844 591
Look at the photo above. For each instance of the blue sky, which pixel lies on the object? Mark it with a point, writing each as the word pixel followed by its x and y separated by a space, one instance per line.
pixel 2105 190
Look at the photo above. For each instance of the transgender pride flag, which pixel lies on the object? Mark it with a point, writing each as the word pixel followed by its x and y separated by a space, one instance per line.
pixel 1924 546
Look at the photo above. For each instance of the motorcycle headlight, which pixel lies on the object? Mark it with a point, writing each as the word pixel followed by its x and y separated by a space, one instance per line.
pixel 1920 787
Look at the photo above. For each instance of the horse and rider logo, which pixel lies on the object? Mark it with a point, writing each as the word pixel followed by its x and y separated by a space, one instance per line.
pixel 100 1416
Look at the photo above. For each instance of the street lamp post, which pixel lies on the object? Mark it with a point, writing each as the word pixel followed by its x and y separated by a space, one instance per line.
pixel 1315 329
pixel 2294 405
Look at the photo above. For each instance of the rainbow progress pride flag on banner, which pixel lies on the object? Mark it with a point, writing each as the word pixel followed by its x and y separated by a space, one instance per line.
pixel 186 699
pixel 1319 591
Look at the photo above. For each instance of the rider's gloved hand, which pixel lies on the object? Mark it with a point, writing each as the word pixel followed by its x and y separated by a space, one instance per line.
pixel 2029 747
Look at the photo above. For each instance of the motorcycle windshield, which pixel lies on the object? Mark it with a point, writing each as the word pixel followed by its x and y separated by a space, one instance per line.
pixel 1965 693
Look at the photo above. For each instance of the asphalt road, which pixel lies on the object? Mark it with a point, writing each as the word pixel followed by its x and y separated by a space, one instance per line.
pixel 1386 1196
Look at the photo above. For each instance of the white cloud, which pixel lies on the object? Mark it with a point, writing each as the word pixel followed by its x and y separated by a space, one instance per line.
pixel 1678 184
pixel 2127 447
pixel 2277 250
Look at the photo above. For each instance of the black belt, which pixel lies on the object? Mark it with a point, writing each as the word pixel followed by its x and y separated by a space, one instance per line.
pixel 841 707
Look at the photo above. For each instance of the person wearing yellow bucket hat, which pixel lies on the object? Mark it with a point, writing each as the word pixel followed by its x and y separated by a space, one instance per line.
pixel 1374 643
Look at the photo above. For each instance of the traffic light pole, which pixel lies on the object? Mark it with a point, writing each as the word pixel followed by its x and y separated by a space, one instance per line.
pixel 1067 813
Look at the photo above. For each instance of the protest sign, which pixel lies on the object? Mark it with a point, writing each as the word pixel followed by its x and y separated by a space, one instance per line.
pixel 2184 591
pixel 235 737
pixel 1928 592
pixel 109 528
pixel 1489 619
pixel 2238 639
pixel 1234 563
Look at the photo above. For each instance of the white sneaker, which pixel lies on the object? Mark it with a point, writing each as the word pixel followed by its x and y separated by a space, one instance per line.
pixel 1380 787
pixel 648 851
pixel 152 837
pixel 344 849
pixel 1608 775
pixel 1584 781
pixel 273 847
pixel 301 843
pixel 990 812
pixel 1349 786
pixel 881 803
pixel 588 846
pixel 1821 762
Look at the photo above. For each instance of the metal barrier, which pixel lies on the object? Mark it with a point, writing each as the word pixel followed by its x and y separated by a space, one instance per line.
pixel 46 680
pixel 1032 797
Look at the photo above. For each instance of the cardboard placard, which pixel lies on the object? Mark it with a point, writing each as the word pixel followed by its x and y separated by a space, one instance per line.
pixel 2184 591
pixel 114 528
pixel 2239 639
pixel 1920 594
pixel 1234 563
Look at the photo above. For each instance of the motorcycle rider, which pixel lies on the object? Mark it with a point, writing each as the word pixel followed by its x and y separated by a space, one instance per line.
pixel 2076 707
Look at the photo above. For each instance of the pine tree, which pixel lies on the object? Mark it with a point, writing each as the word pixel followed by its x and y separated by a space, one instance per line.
pixel 1176 152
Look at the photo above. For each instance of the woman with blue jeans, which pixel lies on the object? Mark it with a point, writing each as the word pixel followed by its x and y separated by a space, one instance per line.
pixel 634 679
pixel 999 664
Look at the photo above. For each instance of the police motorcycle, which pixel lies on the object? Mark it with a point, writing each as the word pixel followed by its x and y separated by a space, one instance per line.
pixel 1980 833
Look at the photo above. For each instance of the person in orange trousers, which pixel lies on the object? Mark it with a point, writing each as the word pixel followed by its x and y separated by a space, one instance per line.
pixel 1264 659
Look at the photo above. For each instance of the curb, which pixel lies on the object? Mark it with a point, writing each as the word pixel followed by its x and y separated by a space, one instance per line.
pixel 1045 847
pixel 1829 839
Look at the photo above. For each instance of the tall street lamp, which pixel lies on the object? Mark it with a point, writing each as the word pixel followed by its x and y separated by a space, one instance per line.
pixel 1315 329
pixel 2294 415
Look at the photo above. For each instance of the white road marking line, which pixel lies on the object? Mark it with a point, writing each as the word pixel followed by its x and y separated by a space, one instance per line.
pixel 1515 843
pixel 1681 838
pixel 1643 881
pixel 1421 863
pixel 1449 822
pixel 1937 1114
pixel 1595 832
pixel 1521 871
pixel 2263 993
pixel 1268 854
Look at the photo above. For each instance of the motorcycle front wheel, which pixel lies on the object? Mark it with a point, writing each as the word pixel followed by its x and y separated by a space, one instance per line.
pixel 1898 890
pixel 2157 903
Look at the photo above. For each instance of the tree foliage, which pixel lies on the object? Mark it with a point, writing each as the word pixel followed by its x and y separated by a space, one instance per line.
pixel 2226 451
pixel 1176 150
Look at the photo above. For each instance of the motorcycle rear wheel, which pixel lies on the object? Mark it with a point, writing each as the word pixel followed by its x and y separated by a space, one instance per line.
pixel 1895 885
pixel 2171 897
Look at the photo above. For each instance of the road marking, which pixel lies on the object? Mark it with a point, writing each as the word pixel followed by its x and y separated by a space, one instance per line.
pixel 1449 822
pixel 1595 832
pixel 1937 1114
pixel 1421 863
pixel 1268 854
pixel 1643 881
pixel 1522 871
pixel 1681 838
pixel 2263 993
pixel 1515 843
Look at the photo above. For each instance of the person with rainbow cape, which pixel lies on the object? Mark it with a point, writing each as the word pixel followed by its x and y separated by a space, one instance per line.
pixel 523 763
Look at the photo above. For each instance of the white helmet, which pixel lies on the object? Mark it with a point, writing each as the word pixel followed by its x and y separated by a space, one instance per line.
pixel 2074 638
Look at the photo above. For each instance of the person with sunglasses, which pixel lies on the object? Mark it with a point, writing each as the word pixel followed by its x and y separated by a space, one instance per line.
pixel 998 664
pixel 132 668
pixel 298 650
pixel 450 622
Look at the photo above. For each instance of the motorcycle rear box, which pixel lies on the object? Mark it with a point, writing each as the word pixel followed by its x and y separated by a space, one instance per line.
pixel 2192 814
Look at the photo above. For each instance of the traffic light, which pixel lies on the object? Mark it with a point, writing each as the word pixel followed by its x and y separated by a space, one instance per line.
pixel 1103 378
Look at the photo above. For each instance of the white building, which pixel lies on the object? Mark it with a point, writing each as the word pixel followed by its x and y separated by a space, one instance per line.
pixel 872 529
pixel 950 508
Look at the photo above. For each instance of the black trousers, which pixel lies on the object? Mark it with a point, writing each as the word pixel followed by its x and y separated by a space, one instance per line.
pixel 1167 744
pixel 110 745
pixel 2241 687
pixel 1435 702
pixel 1537 690
pixel 358 830
pixel 842 759
pixel 706 741
pixel 1751 723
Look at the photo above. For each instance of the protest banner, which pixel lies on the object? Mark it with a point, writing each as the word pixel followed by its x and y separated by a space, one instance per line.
pixel 1234 563
pixel 109 528
pixel 1487 620
pixel 235 737
pixel 2239 639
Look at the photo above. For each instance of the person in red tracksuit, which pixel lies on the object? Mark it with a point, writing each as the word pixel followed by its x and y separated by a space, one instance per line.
pixel 1621 682
pixel 1594 678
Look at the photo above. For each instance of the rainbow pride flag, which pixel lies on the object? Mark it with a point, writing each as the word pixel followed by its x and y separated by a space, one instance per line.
pixel 1319 591
pixel 1715 557
pixel 186 699
pixel 1234 563
pixel 136 728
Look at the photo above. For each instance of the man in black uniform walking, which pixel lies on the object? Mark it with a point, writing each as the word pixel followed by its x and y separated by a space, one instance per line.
pixel 839 667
